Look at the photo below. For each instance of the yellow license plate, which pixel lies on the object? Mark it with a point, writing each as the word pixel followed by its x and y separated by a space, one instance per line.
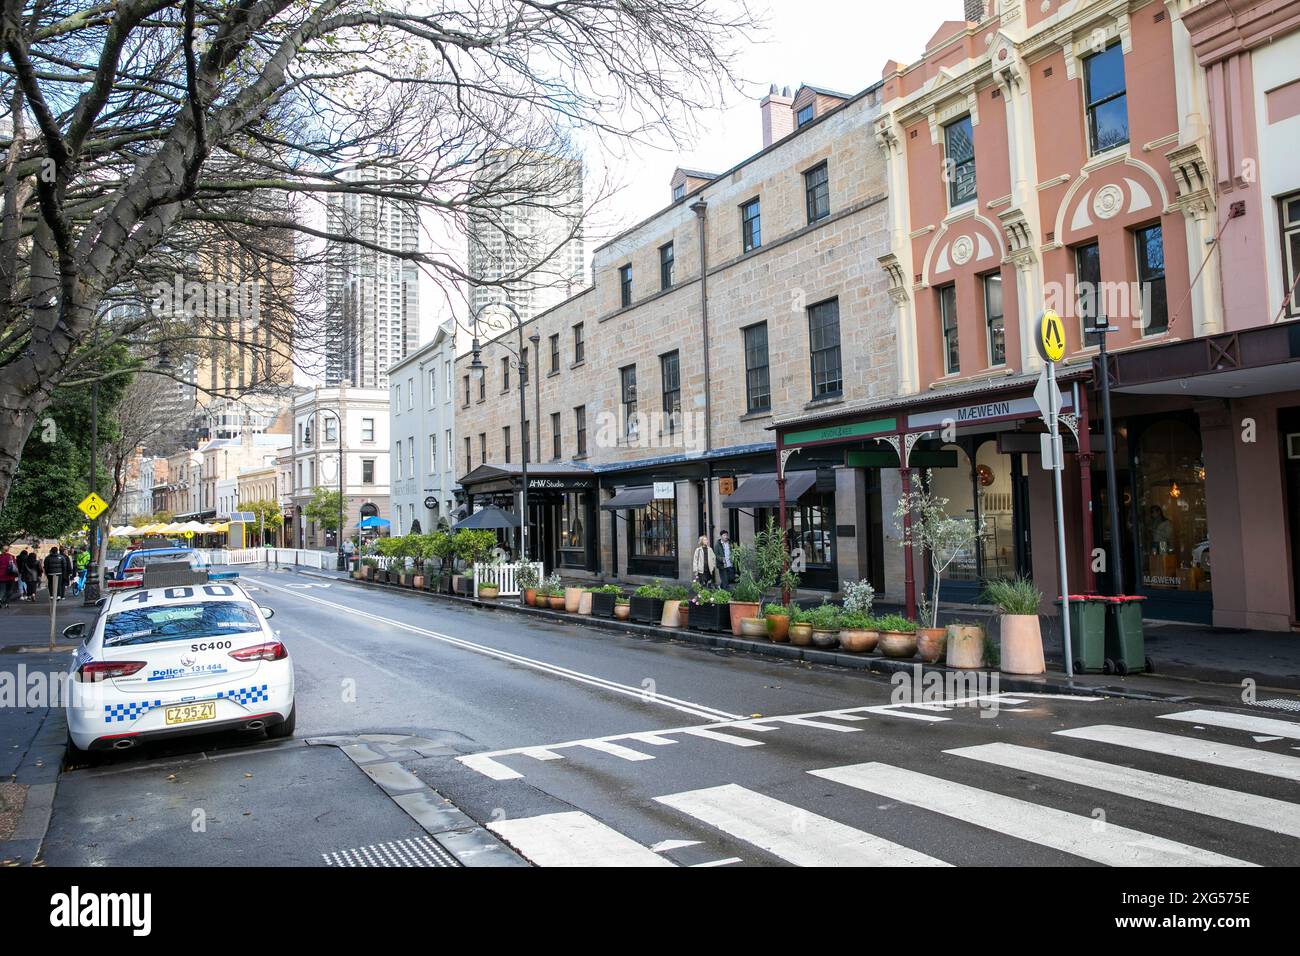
pixel 189 713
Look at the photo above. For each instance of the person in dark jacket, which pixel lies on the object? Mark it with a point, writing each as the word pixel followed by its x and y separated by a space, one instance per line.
pixel 32 575
pixel 56 578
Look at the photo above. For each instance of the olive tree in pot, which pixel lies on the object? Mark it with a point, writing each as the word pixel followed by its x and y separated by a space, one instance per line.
pixel 472 546
pixel 442 545
pixel 528 581
pixel 941 539
pixel 1021 639
pixel 857 627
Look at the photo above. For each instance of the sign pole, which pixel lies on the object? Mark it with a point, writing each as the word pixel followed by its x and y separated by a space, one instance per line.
pixel 1059 501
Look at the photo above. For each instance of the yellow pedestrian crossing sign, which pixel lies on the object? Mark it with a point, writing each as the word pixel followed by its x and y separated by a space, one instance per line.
pixel 1051 337
pixel 92 506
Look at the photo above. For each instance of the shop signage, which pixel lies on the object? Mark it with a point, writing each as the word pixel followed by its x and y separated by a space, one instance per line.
pixel 663 489
pixel 726 486
pixel 885 458
pixel 832 432
pixel 431 502
pixel 558 484
pixel 1007 408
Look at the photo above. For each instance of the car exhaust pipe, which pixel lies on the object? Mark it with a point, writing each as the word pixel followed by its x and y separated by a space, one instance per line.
pixel 255 725
pixel 124 744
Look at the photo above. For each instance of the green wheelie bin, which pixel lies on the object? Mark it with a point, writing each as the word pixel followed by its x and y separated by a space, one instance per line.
pixel 1125 647
pixel 1088 632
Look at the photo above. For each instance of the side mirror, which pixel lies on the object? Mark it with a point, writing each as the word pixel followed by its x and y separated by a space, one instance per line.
pixel 77 630
pixel 267 612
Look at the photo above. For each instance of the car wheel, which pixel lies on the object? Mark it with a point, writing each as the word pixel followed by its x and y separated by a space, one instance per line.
pixel 285 727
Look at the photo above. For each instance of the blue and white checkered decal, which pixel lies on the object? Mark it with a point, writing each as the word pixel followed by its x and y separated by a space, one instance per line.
pixel 128 711
pixel 245 695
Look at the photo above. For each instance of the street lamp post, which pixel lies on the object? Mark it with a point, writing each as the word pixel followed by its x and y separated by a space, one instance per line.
pixel 1116 556
pixel 478 369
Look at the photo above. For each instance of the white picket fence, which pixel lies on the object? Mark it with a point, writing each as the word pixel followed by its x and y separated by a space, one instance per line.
pixel 301 557
pixel 231 555
pixel 504 576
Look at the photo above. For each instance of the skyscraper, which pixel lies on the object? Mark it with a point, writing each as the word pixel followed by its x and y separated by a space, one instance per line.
pixel 372 299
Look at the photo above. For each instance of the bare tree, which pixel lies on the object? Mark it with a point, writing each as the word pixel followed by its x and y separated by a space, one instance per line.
pixel 150 139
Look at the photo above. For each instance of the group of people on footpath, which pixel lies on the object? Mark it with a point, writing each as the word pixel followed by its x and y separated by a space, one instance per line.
pixel 713 565
pixel 62 569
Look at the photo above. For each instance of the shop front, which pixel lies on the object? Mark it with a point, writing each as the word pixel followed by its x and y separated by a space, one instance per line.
pixel 810 513
pixel 562 520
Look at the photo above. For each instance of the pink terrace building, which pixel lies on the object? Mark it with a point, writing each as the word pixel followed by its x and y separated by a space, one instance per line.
pixel 1131 161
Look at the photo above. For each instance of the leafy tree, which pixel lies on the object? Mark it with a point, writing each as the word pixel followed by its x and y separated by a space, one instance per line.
pixel 324 508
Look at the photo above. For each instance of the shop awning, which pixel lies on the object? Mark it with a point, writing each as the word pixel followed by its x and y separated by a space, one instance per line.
pixel 630 498
pixel 760 491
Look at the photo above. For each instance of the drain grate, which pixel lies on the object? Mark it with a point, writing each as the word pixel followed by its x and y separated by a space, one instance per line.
pixel 1279 703
pixel 419 851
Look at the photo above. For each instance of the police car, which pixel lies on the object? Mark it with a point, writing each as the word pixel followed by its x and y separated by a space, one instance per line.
pixel 130 570
pixel 167 661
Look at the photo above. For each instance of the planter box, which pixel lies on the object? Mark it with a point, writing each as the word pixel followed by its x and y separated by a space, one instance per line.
pixel 646 610
pixel 602 605
pixel 463 584
pixel 710 617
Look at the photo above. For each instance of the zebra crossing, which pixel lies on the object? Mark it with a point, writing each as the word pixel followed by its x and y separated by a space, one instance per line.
pixel 858 821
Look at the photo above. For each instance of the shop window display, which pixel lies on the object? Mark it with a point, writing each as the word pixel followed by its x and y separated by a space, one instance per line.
pixel 1173 535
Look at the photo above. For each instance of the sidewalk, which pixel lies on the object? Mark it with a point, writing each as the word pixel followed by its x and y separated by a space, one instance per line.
pixel 1189 661
pixel 32 729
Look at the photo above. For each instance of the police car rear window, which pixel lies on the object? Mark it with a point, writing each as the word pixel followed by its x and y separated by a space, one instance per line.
pixel 179 622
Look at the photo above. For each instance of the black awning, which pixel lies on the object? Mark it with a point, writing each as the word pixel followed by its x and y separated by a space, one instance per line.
pixel 760 491
pixel 630 498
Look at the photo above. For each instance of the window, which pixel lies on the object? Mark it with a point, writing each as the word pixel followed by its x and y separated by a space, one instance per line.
pixel 331 429
pixel 572 543
pixel 482 386
pixel 1151 277
pixel 1107 102
pixel 751 226
pixel 579 345
pixel 1087 275
pixel 666 266
pixel 993 319
pixel 817 192
pixel 1172 529
pixel 1289 209
pixel 580 428
pixel 555 353
pixel 758 391
pixel 627 382
pixel 469 462
pixel 398 461
pixel 482 448
pixel 433 454
pixel 410 451
pixel 466 389
pixel 670 378
pixel 410 394
pixel 555 436
pixel 399 520
pixel 367 429
pixel 397 399
pixel 679 191
pixel 505 444
pixel 433 386
pixel 505 373
pixel 824 346
pixel 959 161
pixel 654 530
pixel 367 471
pixel 625 285
pixel 451 462
pixel 804 116
pixel 948 327
pixel 447 368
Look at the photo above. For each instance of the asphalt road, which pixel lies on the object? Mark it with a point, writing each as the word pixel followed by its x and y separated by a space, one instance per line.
pixel 575 745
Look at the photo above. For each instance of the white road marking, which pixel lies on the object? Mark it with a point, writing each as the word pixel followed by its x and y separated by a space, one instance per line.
pixel 489 767
pixel 816 725
pixel 614 750
pixel 541 753
pixel 1261 739
pixel 663 846
pixel 723 738
pixel 1222 718
pixel 1279 816
pixel 790 832
pixel 653 740
pixel 689 707
pixel 727 862
pixel 1046 826
pixel 1191 748
pixel 574 839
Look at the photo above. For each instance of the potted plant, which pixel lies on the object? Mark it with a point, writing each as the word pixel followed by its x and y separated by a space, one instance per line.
pixel 528 581
pixel 368 568
pixel 674 596
pixel 648 604
pixel 442 545
pixel 859 632
pixel 965 646
pixel 554 588
pixel 746 598
pixel 622 607
pixel 778 622
pixel 825 621
pixel 800 628
pixel 753 627
pixel 1021 650
pixel 584 601
pixel 897 636
pixel 602 599
pixel 708 609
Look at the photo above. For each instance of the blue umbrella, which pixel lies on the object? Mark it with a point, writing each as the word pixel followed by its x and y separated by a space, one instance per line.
pixel 373 522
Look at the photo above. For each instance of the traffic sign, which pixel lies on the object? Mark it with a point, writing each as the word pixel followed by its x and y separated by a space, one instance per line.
pixel 1043 396
pixel 189 534
pixel 92 506
pixel 1051 337
pixel 1050 447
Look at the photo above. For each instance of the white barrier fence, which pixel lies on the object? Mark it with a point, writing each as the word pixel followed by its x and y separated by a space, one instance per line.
pixel 504 576
pixel 231 555
pixel 301 557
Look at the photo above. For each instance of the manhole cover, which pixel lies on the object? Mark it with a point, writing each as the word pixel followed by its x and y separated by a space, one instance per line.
pixel 419 851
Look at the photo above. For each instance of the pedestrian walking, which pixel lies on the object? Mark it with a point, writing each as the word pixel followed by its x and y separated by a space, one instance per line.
pixel 33 575
pixel 83 566
pixel 8 577
pixel 703 564
pixel 55 574
pixel 726 570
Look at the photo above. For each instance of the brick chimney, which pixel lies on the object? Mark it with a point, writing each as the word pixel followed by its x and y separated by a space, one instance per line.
pixel 778 117
pixel 975 10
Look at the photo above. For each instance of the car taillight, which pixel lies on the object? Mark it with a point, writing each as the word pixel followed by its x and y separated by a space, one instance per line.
pixel 93 671
pixel 274 651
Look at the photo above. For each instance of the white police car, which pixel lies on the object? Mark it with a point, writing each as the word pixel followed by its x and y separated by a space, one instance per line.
pixel 167 661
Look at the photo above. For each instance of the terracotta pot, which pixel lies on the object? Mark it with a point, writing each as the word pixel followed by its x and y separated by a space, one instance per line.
pixel 556 602
pixel 622 611
pixel 671 616
pixel 572 598
pixel 778 627
pixel 584 603
pixel 965 645
pixel 419 581
pixel 857 641
pixel 684 614
pixel 899 644
pixel 739 610
pixel 1022 645
pixel 530 596
pixel 753 627
pixel 801 635
pixel 825 639
pixel 488 592
pixel 930 643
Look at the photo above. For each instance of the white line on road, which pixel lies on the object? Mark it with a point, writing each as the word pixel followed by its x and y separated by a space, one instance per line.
pixel 723 738
pixel 1191 748
pixel 1046 826
pixel 688 707
pixel 614 750
pixel 790 832
pixel 1251 809
pixel 574 839
pixel 1268 726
